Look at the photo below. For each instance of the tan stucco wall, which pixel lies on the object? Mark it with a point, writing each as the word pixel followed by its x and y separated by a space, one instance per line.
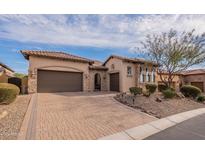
pixel 176 80
pixel 9 73
pixel 129 80
pixel 3 78
pixel 36 63
pixel 103 76
pixel 5 74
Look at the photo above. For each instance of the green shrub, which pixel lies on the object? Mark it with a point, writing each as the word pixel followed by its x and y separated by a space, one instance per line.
pixel 169 93
pixel 146 93
pixel 135 90
pixel 8 93
pixel 162 87
pixel 190 91
pixel 200 98
pixel 151 87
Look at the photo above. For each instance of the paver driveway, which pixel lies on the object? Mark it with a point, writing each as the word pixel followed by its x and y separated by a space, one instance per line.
pixel 82 116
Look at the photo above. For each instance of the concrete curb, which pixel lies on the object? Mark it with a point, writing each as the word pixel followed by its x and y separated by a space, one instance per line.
pixel 143 131
pixel 25 124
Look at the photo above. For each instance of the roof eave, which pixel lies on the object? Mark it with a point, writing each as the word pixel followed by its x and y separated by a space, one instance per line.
pixel 129 60
pixel 26 56
pixel 6 67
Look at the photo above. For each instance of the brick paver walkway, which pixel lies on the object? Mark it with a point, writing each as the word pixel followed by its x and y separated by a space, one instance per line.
pixel 82 116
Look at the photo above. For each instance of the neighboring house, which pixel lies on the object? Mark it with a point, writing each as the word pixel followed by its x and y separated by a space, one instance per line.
pixel 5 73
pixel 176 82
pixel 191 77
pixel 195 77
pixel 61 72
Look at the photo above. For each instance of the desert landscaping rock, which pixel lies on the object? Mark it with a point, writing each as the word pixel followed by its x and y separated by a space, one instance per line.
pixel 158 99
pixel 159 107
pixel 10 124
pixel 3 114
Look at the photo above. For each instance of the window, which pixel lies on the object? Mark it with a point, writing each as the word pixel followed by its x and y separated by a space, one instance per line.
pixel 141 75
pixel 129 70
pixel 153 74
pixel 147 75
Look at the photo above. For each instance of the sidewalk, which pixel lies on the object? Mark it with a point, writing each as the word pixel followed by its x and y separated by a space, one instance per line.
pixel 192 129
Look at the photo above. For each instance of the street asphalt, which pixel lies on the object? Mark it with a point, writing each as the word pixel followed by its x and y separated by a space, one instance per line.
pixel 192 129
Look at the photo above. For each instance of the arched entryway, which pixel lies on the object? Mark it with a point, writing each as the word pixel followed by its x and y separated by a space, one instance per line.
pixel 97 82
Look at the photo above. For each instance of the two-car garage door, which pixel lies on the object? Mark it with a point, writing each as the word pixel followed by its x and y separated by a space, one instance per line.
pixel 58 81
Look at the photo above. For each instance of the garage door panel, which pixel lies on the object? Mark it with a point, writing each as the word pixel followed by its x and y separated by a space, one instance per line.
pixel 57 81
pixel 114 82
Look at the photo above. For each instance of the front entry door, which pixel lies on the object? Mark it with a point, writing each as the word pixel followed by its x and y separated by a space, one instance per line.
pixel 97 82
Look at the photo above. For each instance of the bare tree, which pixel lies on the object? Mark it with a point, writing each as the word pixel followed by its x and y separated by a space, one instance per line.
pixel 175 52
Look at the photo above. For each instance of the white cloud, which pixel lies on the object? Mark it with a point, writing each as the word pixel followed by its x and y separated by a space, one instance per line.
pixel 122 31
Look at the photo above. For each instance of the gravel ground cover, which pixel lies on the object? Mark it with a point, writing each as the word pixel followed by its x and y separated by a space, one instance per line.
pixel 159 109
pixel 11 117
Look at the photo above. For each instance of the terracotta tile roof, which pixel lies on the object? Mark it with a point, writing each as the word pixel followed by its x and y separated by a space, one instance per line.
pixel 134 60
pixel 166 73
pixel 98 68
pixel 54 54
pixel 5 66
pixel 194 72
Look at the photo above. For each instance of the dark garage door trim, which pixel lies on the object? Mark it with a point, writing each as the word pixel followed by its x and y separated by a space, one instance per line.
pixel 59 81
pixel 115 81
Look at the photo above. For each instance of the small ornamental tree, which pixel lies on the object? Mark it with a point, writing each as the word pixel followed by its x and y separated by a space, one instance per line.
pixel 174 52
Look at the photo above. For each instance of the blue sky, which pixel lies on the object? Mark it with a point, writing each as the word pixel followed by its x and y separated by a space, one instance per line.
pixel 91 36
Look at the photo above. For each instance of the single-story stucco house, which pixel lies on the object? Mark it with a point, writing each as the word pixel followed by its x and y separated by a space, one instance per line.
pixel 195 77
pixel 62 72
pixel 5 73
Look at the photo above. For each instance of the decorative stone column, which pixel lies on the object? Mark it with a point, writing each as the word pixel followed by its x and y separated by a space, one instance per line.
pixel 32 81
pixel 86 79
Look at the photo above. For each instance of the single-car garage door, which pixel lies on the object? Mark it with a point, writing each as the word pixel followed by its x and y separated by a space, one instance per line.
pixel 200 85
pixel 114 82
pixel 58 81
